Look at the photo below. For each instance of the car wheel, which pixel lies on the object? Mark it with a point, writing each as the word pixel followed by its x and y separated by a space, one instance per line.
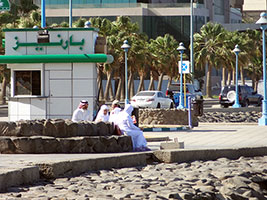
pixel 225 106
pixel 171 105
pixel 158 106
pixel 231 96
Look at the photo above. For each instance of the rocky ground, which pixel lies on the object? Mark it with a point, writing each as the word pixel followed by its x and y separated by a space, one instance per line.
pixel 223 179
pixel 232 117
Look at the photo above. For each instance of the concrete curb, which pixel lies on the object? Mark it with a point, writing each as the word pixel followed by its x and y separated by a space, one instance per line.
pixel 73 167
pixel 179 156
pixel 19 176
pixel 76 167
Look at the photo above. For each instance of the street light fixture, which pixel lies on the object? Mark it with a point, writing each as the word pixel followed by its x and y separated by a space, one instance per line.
pixel 236 51
pixel 263 23
pixel 126 47
pixel 181 49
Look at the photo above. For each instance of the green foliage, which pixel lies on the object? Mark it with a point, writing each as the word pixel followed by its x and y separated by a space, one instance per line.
pixel 64 24
pixel 79 23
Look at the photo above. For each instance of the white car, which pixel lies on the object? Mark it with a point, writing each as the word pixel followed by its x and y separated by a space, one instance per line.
pixel 151 99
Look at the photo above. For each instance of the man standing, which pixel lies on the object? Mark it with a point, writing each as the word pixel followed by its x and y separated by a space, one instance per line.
pixel 81 113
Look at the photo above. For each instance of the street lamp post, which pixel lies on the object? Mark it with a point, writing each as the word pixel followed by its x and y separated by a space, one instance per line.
pixel 43 22
pixel 236 51
pixel 263 22
pixel 126 47
pixel 192 38
pixel 70 13
pixel 181 49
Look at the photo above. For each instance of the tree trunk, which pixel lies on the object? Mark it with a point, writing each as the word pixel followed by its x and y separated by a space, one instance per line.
pixel 122 94
pixel 208 86
pixel 131 86
pixel 229 77
pixel 242 76
pixel 119 88
pixel 151 83
pixel 3 91
pixel 256 85
pixel 160 81
pixel 233 77
pixel 223 77
pixel 99 85
pixel 106 95
pixel 141 83
pixel 111 93
pixel 169 82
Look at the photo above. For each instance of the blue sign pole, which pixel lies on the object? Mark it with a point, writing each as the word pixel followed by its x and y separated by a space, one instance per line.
pixel 43 24
pixel 70 13
pixel 263 23
pixel 181 49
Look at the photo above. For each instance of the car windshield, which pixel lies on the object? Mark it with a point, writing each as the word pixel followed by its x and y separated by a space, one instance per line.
pixel 150 94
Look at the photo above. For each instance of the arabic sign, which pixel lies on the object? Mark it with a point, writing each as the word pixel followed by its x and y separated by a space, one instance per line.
pixel 185 68
pixel 39 46
pixel 4 5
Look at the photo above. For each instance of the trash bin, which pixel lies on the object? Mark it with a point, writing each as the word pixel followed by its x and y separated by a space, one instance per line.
pixel 198 107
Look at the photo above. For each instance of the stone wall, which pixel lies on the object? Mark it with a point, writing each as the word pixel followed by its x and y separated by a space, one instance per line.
pixel 60 136
pixel 165 117
pixel 231 117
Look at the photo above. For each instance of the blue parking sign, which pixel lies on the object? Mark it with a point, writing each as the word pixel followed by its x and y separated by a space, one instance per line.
pixel 185 67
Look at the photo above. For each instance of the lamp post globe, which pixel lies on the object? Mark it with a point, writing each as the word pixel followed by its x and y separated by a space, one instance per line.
pixel 126 48
pixel 236 51
pixel 181 49
pixel 263 23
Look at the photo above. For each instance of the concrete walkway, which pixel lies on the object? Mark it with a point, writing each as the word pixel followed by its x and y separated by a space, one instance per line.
pixel 205 139
pixel 216 136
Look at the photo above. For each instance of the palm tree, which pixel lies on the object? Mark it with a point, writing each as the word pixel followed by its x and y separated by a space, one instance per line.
pixel 206 44
pixel 254 67
pixel 165 56
pixel 123 29
pixel 105 28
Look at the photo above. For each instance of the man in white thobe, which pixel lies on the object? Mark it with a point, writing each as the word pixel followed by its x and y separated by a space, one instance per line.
pixel 81 113
pixel 126 125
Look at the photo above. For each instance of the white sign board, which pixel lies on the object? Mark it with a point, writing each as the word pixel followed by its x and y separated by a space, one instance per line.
pixel 186 67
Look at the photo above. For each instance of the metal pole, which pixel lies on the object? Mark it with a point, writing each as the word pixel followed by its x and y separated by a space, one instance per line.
pixel 192 40
pixel 70 13
pixel 185 91
pixel 189 113
pixel 181 103
pixel 263 119
pixel 126 78
pixel 236 105
pixel 43 23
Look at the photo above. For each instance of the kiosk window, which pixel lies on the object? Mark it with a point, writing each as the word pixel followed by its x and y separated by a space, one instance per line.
pixel 28 82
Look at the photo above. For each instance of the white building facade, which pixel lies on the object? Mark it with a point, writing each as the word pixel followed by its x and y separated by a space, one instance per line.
pixel 49 79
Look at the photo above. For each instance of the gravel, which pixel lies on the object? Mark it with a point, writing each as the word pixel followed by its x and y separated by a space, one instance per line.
pixel 222 179
pixel 230 117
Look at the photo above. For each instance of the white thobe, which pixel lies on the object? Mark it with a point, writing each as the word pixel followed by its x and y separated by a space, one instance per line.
pixel 127 126
pixel 81 115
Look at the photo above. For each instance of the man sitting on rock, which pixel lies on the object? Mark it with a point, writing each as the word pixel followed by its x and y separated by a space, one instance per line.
pixel 126 125
pixel 81 113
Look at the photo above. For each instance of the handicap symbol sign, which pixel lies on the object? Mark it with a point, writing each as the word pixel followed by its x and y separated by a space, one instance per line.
pixel 185 67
